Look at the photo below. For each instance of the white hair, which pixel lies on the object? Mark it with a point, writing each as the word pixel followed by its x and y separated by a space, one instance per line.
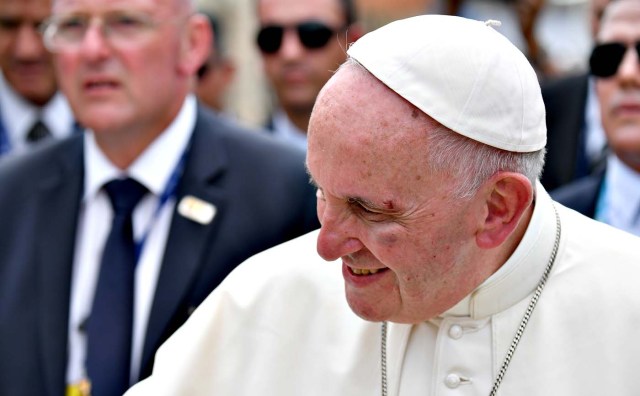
pixel 471 163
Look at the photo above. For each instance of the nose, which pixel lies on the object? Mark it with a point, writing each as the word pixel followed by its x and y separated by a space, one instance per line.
pixel 629 69
pixel 291 47
pixel 94 43
pixel 28 45
pixel 338 234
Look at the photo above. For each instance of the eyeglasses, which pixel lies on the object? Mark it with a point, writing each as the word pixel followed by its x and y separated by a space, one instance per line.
pixel 122 28
pixel 312 35
pixel 606 58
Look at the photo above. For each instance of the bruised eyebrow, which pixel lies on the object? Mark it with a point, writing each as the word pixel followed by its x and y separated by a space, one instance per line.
pixel 387 205
pixel 362 202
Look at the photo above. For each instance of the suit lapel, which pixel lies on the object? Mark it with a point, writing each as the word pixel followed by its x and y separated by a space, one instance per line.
pixel 187 239
pixel 58 200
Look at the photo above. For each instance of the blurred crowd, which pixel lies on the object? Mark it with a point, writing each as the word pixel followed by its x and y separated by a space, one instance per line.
pixel 556 35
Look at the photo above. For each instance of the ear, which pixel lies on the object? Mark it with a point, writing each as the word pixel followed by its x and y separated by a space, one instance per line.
pixel 196 44
pixel 507 196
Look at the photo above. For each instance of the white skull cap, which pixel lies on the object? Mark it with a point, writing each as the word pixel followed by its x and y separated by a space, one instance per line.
pixel 463 74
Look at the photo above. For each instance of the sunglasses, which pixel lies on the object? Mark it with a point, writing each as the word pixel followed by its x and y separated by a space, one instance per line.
pixel 312 35
pixel 606 58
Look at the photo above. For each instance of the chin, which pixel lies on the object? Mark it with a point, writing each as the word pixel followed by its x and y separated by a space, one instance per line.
pixel 103 118
pixel 366 311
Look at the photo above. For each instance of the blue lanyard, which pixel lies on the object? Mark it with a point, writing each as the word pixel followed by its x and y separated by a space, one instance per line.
pixel 169 192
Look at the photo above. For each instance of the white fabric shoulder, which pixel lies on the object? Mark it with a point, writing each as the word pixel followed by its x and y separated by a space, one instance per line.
pixel 272 327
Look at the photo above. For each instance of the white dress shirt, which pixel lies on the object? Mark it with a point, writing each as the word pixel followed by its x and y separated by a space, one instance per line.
pixel 18 116
pixel 285 130
pixel 153 169
pixel 619 200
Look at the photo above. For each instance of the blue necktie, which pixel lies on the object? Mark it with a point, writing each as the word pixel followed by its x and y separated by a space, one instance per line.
pixel 109 328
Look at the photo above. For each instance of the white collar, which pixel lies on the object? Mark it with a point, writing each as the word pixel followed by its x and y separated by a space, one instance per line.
pixel 154 166
pixel 284 129
pixel 18 115
pixel 621 195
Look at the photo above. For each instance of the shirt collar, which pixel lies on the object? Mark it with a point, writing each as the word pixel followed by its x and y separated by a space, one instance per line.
pixel 623 190
pixel 284 129
pixel 154 166
pixel 57 116
pixel 18 115
pixel 519 275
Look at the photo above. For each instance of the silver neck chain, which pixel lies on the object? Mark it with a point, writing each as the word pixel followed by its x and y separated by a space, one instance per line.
pixel 519 332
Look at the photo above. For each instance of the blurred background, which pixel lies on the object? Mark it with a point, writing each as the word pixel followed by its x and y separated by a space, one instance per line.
pixel 560 30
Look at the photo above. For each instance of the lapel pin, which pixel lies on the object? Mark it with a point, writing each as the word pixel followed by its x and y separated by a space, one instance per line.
pixel 196 209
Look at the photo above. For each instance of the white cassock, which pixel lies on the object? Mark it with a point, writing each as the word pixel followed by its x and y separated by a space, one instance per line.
pixel 280 325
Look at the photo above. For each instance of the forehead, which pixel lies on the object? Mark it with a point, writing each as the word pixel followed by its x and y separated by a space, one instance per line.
pixel 25 7
pixel 356 104
pixel 106 5
pixel 293 11
pixel 361 130
pixel 621 21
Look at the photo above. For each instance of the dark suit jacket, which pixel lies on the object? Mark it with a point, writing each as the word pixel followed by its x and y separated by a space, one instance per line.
pixel 565 101
pixel 262 195
pixel 582 194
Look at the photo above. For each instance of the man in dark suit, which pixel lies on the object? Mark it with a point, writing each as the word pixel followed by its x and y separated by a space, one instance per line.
pixel 581 195
pixel 31 107
pixel 91 285
pixel 565 101
pixel 575 139
pixel 613 195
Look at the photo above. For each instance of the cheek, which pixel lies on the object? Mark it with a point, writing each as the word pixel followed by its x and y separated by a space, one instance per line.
pixel 605 90
pixel 62 67
pixel 65 66
pixel 4 49
pixel 624 139
pixel 271 66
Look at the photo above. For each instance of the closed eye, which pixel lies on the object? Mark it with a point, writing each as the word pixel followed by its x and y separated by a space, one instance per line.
pixel 363 210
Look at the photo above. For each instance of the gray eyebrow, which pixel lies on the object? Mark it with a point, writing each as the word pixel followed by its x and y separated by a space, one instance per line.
pixel 311 179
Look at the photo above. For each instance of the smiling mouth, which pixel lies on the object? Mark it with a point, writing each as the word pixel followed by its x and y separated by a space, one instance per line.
pixel 365 272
